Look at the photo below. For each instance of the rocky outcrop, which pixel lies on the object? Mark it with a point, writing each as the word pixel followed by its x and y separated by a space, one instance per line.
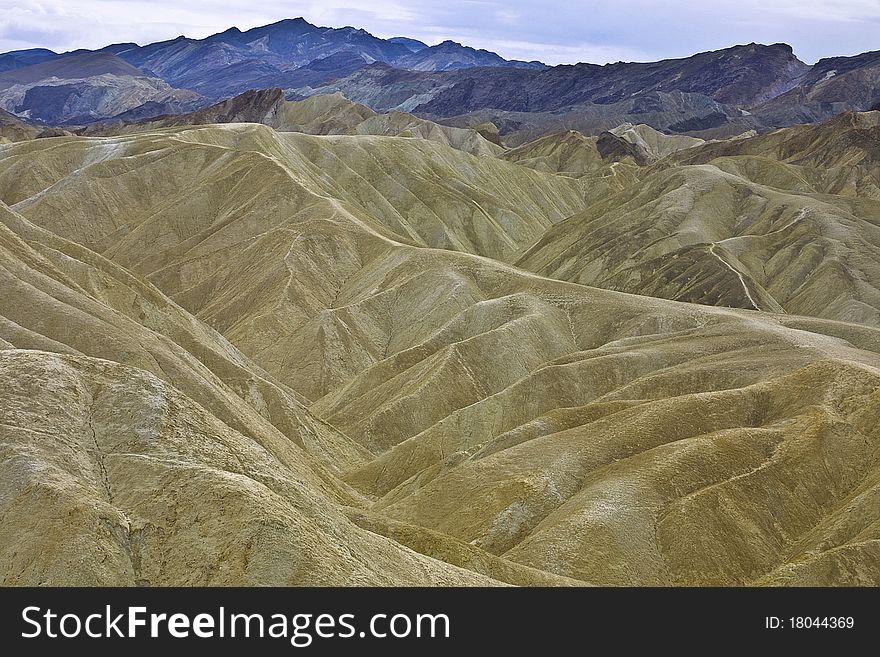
pixel 72 101
pixel 84 88
pixel 832 86
pixel 14 129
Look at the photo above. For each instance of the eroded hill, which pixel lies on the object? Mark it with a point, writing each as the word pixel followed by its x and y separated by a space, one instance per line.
pixel 787 221
pixel 287 358
pixel 329 114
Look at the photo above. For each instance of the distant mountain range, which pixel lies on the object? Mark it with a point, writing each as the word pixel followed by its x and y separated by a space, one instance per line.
pixel 712 94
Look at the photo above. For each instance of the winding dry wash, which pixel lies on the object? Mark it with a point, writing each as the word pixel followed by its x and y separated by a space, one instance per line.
pixel 275 342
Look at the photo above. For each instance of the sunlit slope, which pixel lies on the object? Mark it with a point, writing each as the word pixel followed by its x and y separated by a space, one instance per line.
pixel 411 189
pixel 651 144
pixel 171 457
pixel 484 415
pixel 333 114
pixel 569 153
pixel 572 153
pixel 840 156
pixel 324 114
pixel 786 221
pixel 155 490
pixel 61 297
pixel 540 415
pixel 260 244
pixel 702 234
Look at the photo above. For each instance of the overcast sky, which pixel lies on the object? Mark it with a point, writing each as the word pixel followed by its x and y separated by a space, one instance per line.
pixel 554 31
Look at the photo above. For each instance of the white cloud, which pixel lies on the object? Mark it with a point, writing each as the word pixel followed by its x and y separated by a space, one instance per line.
pixel 852 11
pixel 551 30
pixel 551 53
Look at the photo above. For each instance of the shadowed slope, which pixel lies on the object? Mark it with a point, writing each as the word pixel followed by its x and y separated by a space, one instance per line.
pixel 591 434
pixel 840 156
pixel 700 234
pixel 256 232
pixel 831 86
pixel 84 65
pixel 330 114
pixel 171 457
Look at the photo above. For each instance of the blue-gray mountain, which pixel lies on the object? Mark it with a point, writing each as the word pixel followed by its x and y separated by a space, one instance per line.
pixel 713 94
pixel 710 94
pixel 232 61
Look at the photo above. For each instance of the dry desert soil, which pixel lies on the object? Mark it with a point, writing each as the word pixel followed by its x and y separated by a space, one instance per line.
pixel 337 347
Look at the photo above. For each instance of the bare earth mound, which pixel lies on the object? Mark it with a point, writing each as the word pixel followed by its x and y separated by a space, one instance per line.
pixel 231 355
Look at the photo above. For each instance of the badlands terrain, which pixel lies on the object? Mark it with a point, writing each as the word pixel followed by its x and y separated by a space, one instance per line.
pixel 299 305
pixel 298 343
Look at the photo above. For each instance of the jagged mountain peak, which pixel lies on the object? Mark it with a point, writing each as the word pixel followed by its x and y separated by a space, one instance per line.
pixel 715 93
pixel 413 44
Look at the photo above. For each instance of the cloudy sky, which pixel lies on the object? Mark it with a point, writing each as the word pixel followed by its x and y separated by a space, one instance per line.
pixel 554 31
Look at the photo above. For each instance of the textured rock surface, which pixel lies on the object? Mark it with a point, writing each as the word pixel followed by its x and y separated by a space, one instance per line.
pixel 785 221
pixel 14 129
pixel 236 356
pixel 84 65
pixel 80 100
pixel 739 76
pixel 290 53
pixel 831 86
pixel 85 87
pixel 716 94
pixel 184 465
pixel 328 114
pixel 450 56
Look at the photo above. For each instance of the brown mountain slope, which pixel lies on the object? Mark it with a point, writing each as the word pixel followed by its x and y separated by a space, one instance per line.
pixel 583 432
pixel 787 220
pixel 840 156
pixel 221 207
pixel 155 490
pixel 61 296
pixel 604 163
pixel 652 145
pixel 574 153
pixel 172 458
pixel 706 233
pixel 14 129
pixel 334 114
pixel 330 114
pixel 484 205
